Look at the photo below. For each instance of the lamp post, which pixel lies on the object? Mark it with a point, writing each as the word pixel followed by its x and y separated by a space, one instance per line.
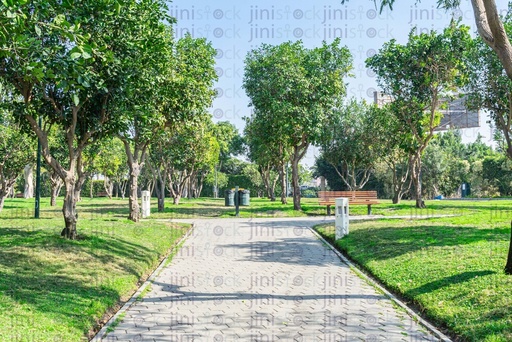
pixel 38 177
pixel 216 190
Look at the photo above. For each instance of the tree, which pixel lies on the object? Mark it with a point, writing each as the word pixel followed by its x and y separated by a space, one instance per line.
pixel 394 143
pixel 491 89
pixel 208 159
pixel 295 89
pixel 57 144
pixel 268 151
pixel 181 153
pixel 492 31
pixel 251 172
pixel 188 94
pixel 139 105
pixel 352 144
pixel 219 180
pixel 16 151
pixel 68 62
pixel 110 162
pixel 489 25
pixel 322 168
pixel 229 139
pixel 419 76
pixel 446 165
pixel 230 144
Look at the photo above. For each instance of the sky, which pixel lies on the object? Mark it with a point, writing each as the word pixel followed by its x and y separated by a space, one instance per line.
pixel 235 27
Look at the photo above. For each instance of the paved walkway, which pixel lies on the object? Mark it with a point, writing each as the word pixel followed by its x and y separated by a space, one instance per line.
pixel 262 280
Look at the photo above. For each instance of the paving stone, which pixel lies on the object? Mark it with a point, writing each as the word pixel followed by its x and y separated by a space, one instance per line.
pixel 262 280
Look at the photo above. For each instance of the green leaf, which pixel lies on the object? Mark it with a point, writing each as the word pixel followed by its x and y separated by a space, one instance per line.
pixel 38 31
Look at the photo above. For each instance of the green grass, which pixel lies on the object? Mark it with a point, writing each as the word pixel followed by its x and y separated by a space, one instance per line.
pixel 52 289
pixel 450 268
pixel 262 207
pixel 210 207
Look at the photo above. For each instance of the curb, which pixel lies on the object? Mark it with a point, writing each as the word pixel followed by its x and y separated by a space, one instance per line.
pixel 100 335
pixel 373 283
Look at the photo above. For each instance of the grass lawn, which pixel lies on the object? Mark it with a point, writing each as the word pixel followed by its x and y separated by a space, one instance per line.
pixel 52 289
pixel 450 268
pixel 261 207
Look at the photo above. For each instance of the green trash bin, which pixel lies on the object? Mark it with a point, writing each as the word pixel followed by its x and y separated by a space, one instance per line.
pixel 245 197
pixel 229 197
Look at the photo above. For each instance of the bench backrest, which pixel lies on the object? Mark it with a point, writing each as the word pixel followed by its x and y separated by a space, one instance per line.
pixel 351 195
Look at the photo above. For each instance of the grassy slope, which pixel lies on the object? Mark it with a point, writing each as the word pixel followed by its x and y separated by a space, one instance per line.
pixel 53 289
pixel 451 268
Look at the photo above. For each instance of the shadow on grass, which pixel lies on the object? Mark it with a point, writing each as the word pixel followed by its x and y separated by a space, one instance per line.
pixel 67 298
pixel 446 281
pixel 386 243
pixel 77 297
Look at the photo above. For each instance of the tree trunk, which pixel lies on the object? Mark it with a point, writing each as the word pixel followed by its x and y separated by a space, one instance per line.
pixel 396 198
pixel 398 185
pixel 133 200
pixel 295 184
pixel 490 28
pixel 28 173
pixel 54 194
pixel 123 185
pixel 108 185
pixel 135 163
pixel 160 188
pixel 177 186
pixel 282 178
pixel 5 188
pixel 265 177
pixel 416 180
pixel 273 184
pixel 56 185
pixel 508 266
pixel 200 184
pixel 160 191
pixel 69 208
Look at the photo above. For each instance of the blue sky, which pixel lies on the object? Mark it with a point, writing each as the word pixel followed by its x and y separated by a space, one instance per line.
pixel 234 28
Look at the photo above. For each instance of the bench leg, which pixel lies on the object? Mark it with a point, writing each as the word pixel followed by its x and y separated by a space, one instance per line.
pixel 328 210
pixel 369 209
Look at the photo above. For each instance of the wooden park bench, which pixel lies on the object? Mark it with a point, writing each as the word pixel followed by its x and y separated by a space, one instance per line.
pixel 354 197
pixel 102 194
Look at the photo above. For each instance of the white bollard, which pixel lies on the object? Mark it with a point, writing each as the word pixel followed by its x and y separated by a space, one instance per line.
pixel 146 204
pixel 341 217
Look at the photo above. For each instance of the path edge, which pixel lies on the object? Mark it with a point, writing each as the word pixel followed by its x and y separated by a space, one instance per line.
pixel 100 335
pixel 391 296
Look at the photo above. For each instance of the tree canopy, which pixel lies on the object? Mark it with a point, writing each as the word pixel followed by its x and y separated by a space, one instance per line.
pixel 294 89
pixel 421 76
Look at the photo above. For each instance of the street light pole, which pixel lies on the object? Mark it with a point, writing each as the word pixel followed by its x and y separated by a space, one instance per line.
pixel 38 176
pixel 216 192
